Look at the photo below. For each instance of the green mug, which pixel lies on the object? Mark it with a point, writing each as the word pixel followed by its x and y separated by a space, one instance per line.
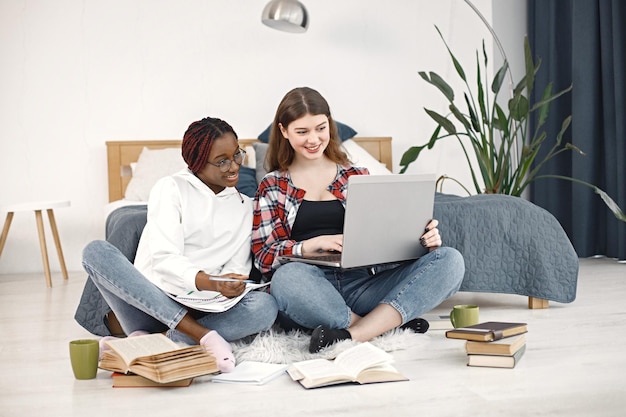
pixel 84 355
pixel 464 315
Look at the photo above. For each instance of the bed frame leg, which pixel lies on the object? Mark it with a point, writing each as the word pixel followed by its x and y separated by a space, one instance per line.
pixel 536 303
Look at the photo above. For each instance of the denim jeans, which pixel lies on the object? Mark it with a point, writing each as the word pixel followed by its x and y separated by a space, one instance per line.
pixel 138 304
pixel 310 295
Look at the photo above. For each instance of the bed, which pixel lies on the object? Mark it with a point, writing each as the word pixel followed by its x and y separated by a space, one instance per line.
pixel 122 154
pixel 509 245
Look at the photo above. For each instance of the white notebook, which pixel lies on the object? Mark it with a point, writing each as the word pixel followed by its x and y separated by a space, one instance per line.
pixel 252 373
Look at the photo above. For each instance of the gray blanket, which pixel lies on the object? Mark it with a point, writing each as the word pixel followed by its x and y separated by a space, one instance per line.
pixel 509 245
pixel 123 229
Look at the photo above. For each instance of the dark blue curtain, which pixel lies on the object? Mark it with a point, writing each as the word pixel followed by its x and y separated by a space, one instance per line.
pixel 583 43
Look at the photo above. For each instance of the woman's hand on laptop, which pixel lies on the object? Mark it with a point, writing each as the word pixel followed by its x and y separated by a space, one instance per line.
pixel 323 243
pixel 431 238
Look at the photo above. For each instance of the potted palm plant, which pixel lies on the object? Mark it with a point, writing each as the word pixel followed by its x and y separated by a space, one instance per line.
pixel 500 139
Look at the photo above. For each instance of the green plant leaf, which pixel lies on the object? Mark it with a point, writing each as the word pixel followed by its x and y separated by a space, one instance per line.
pixel 612 205
pixel 530 66
pixel 575 149
pixel 522 84
pixel 473 118
pixel 434 79
pixel 481 96
pixel 413 152
pixel 519 108
pixel 457 65
pixel 442 121
pixel 498 80
pixel 542 102
pixel 485 56
pixel 543 110
pixel 500 121
pixel 564 125
pixel 409 156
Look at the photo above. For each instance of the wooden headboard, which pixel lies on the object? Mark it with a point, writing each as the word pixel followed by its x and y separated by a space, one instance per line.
pixel 120 154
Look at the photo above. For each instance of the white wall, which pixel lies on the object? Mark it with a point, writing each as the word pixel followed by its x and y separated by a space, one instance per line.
pixel 75 74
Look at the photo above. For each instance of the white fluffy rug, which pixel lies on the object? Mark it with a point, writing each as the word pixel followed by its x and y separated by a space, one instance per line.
pixel 275 346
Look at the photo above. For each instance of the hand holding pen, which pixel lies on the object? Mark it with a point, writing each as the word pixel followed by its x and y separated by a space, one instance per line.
pixel 230 285
pixel 224 279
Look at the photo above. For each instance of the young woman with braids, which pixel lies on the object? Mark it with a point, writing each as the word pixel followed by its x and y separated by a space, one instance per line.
pixel 198 226
pixel 299 209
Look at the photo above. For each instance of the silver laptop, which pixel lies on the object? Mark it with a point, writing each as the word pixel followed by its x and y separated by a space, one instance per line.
pixel 384 219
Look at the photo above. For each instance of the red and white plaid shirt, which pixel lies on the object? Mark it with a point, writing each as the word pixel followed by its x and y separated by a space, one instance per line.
pixel 275 208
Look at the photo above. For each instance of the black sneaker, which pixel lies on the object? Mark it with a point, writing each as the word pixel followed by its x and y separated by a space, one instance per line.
pixel 418 325
pixel 324 336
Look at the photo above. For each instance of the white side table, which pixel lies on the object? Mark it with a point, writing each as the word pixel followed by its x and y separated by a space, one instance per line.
pixel 38 207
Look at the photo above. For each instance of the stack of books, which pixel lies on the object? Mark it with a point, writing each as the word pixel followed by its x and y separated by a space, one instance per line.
pixel 492 344
pixel 156 358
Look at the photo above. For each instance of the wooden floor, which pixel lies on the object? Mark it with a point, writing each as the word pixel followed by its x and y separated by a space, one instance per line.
pixel 574 364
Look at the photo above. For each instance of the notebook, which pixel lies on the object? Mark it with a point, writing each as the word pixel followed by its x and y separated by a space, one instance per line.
pixel 384 219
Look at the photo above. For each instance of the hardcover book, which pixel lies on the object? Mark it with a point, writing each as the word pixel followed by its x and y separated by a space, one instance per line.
pixel 137 381
pixel 488 331
pixel 361 364
pixel 157 358
pixel 496 361
pixel 506 346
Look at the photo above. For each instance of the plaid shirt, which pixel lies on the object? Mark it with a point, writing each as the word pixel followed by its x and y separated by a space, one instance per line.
pixel 275 208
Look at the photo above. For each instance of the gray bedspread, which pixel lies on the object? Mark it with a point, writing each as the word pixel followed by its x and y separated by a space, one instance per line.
pixel 122 229
pixel 509 245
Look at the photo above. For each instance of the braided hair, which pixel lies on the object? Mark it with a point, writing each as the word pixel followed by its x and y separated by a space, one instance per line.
pixel 198 141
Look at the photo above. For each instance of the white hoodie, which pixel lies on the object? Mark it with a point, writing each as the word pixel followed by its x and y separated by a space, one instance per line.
pixel 191 229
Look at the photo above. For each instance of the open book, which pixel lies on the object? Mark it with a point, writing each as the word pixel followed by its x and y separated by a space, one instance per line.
pixel 157 358
pixel 362 364
pixel 213 301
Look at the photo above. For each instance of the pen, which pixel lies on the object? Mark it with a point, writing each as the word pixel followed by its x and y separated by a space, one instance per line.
pixel 247 281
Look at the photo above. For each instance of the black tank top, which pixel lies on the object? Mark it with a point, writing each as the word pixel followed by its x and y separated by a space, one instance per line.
pixel 317 218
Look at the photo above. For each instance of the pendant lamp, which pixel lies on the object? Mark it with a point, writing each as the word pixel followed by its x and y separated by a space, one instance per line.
pixel 286 15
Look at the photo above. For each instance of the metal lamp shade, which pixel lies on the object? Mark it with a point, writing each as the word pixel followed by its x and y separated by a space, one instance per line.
pixel 286 15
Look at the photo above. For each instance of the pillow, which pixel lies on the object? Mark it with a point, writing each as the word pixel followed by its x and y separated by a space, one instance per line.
pixel 152 165
pixel 247 183
pixel 357 155
pixel 345 132
pixel 361 158
pixel 260 149
pixel 250 160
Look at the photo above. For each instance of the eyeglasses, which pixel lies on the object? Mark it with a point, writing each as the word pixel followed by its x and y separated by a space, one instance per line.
pixel 224 164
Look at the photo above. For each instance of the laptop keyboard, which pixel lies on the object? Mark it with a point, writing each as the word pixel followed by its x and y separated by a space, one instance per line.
pixel 333 257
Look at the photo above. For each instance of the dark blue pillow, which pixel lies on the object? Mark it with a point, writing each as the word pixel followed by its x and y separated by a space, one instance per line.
pixel 247 181
pixel 345 132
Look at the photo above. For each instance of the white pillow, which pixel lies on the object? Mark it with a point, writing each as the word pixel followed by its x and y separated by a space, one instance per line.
pixel 361 158
pixel 250 161
pixel 152 165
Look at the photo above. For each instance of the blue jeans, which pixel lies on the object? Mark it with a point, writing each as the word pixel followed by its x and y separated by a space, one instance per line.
pixel 310 295
pixel 138 304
